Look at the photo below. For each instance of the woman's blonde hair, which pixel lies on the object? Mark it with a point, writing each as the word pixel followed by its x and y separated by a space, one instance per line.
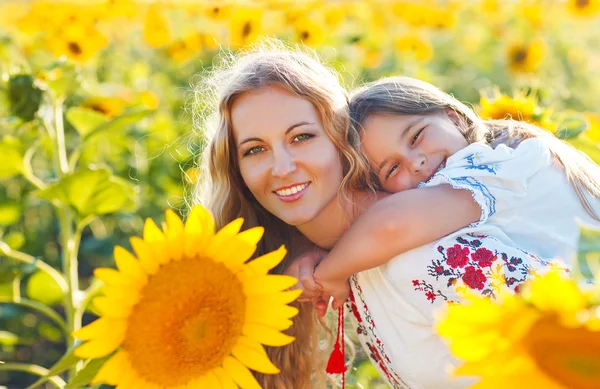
pixel 409 96
pixel 222 189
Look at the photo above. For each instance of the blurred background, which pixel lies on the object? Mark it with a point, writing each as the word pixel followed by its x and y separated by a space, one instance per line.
pixel 99 91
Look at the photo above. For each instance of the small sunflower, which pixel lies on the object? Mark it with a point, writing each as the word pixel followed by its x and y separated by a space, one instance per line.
pixel 309 32
pixel 416 45
pixel 156 27
pixel 245 25
pixel 189 312
pixel 545 337
pixel 520 106
pixel 586 8
pixel 526 57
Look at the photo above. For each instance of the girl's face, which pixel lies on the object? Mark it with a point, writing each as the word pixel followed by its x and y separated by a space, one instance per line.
pixel 286 159
pixel 406 150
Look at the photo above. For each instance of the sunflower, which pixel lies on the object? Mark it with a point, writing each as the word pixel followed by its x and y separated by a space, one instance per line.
pixel 586 8
pixel 520 106
pixel 416 45
pixel 526 57
pixel 245 25
pixel 189 312
pixel 541 338
pixel 309 32
pixel 156 27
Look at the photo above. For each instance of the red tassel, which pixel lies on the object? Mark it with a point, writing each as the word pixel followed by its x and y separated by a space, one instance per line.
pixel 337 362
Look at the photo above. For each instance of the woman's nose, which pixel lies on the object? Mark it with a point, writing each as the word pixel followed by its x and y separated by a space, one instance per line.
pixel 283 163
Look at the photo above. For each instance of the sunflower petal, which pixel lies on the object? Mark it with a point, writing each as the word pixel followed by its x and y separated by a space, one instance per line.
pixel 129 265
pixel 127 294
pixel 208 380
pixel 145 255
pixel 226 381
pixel 223 237
pixel 281 325
pixel 151 232
pixel 268 284
pixel 266 335
pixel 174 235
pixel 97 348
pixel 280 298
pixel 111 276
pixel 264 263
pixel 111 308
pixel 261 314
pixel 201 222
pixel 240 374
pixel 101 327
pixel 247 342
pixel 252 235
pixel 237 253
pixel 112 370
pixel 254 359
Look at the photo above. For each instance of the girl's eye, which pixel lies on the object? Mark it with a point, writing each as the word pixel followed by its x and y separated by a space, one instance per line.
pixel 392 169
pixel 416 137
pixel 253 150
pixel 302 137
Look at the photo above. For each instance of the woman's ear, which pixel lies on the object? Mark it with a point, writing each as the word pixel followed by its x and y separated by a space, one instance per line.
pixel 452 115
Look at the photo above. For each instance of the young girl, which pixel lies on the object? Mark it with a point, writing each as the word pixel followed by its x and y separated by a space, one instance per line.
pixel 533 187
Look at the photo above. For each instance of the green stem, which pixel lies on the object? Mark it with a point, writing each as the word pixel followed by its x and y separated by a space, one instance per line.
pixel 28 169
pixel 44 309
pixel 90 293
pixel 35 370
pixel 41 265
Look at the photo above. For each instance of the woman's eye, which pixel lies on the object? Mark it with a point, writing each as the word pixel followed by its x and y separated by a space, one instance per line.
pixel 392 169
pixel 302 137
pixel 253 150
pixel 416 137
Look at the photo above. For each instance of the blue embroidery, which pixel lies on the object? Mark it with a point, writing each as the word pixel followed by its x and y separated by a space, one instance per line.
pixel 473 160
pixel 490 200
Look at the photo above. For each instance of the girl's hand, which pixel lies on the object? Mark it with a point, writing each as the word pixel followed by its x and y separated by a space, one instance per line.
pixel 303 268
pixel 336 287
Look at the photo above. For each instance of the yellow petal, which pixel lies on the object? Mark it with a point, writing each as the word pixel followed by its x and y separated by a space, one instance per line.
pixel 200 222
pixel 269 314
pixel 110 276
pixel 268 284
pixel 264 263
pixel 101 327
pixel 151 232
pixel 128 265
pixel 174 235
pixel 127 294
pixel 208 380
pixel 254 359
pixel 266 335
pixel 281 325
pixel 253 344
pixel 111 308
pixel 112 370
pixel 252 235
pixel 145 254
pixel 240 374
pixel 280 298
pixel 226 381
pixel 236 254
pixel 222 238
pixel 97 348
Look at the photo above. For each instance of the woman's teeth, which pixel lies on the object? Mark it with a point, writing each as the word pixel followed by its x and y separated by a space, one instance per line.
pixel 292 190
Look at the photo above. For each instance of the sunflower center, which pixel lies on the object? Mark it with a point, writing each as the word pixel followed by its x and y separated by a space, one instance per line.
pixel 570 356
pixel 187 320
pixel 582 3
pixel 74 48
pixel 246 30
pixel 520 56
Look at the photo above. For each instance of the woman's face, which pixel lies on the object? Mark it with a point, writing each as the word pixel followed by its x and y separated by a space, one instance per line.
pixel 406 150
pixel 286 159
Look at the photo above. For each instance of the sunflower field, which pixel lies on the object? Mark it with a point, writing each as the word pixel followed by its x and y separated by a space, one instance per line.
pixel 96 136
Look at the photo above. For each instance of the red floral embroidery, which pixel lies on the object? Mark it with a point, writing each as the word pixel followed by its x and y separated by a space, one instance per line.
pixel 457 256
pixel 416 282
pixel 430 296
pixel 483 257
pixel 354 308
pixel 474 278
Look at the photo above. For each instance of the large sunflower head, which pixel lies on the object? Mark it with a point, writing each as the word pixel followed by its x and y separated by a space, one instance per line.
pixel 190 311
pixel 547 336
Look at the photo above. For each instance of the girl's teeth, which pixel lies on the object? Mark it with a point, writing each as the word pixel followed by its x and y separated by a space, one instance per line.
pixel 291 191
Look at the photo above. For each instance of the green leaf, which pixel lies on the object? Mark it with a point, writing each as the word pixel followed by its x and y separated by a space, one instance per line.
pixel 85 375
pixel 85 120
pixel 93 192
pixel 24 97
pixel 65 362
pixel 8 338
pixel 571 126
pixel 42 287
pixel 121 122
pixel 10 213
pixel 12 157
pixel 585 144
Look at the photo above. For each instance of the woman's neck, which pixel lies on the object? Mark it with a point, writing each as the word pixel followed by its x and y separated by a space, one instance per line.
pixel 337 216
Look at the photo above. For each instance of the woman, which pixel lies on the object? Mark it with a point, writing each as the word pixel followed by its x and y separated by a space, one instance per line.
pixel 281 154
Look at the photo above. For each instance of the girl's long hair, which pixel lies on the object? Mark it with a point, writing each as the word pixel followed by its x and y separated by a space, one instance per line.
pixel 409 96
pixel 222 189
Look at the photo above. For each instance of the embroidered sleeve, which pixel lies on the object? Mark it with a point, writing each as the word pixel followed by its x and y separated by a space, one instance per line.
pixel 497 178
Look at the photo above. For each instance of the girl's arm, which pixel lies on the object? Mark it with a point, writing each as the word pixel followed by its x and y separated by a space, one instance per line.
pixel 395 224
